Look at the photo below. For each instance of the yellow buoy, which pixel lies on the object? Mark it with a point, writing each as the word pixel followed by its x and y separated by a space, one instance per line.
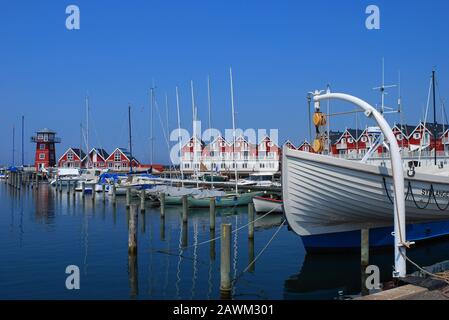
pixel 319 119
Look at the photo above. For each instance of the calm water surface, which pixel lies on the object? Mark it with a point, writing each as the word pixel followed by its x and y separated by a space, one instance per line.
pixel 43 232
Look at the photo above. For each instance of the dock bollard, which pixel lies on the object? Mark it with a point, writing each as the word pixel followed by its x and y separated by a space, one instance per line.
pixel 128 197
pixel 162 200
pixel 132 230
pixel 225 259
pixel 184 208
pixel 142 200
pixel 251 220
pixel 212 213
pixel 83 189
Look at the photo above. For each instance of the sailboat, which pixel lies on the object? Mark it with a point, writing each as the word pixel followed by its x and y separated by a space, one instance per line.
pixel 327 200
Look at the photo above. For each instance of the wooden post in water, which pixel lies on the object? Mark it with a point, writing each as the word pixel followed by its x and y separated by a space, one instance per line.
pixel 142 200
pixel 37 180
pixel 83 190
pixel 69 187
pixel 212 213
pixel 225 259
pixel 19 181
pixel 184 209
pixel 114 196
pixel 60 186
pixel 132 230
pixel 251 260
pixel 94 194
pixel 251 220
pixel 364 261
pixel 103 191
pixel 128 197
pixel 162 200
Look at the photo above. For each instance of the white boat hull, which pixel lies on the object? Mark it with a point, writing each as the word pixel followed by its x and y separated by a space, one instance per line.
pixel 266 205
pixel 323 194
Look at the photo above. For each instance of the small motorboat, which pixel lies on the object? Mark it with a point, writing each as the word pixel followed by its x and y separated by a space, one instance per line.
pixel 268 203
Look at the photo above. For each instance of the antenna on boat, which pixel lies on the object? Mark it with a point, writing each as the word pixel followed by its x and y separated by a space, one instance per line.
pixel 23 137
pixel 13 144
pixel 233 128
pixel 382 89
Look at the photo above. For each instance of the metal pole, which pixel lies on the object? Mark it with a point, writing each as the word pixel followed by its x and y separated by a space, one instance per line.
pixel 434 119
pixel 398 177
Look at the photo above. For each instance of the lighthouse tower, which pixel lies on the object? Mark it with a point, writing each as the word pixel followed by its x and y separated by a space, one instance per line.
pixel 45 140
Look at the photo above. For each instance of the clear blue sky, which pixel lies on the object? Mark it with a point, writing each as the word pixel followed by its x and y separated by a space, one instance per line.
pixel 279 50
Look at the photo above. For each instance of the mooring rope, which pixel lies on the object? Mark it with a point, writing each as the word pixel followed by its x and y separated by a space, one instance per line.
pixel 433 275
pixel 259 254
pixel 219 237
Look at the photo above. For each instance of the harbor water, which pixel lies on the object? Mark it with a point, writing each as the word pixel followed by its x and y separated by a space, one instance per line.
pixel 43 231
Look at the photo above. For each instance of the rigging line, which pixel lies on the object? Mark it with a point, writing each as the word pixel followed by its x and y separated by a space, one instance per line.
pixel 260 253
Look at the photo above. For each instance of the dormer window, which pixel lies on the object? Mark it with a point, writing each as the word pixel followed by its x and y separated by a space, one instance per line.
pixel 417 135
pixel 350 140
pixel 399 137
pixel 117 156
pixel 343 141
pixel 364 139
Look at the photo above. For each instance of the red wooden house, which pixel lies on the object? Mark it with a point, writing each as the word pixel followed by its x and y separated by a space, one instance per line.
pixel 120 160
pixel 72 158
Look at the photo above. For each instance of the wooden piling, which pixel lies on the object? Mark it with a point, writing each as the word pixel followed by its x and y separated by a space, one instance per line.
pixel 184 208
pixel 225 258
pixel 364 258
pixel 162 200
pixel 114 196
pixel 185 236
pixel 132 230
pixel 212 213
pixel 83 189
pixel 94 194
pixel 103 191
pixel 69 187
pixel 37 180
pixel 251 220
pixel 128 197
pixel 142 200
pixel 251 261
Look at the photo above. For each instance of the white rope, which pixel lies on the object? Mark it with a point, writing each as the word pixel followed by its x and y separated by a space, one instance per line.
pixel 433 275
pixel 260 253
pixel 234 231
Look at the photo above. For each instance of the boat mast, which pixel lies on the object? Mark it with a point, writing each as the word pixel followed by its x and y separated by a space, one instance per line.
pixel 194 115
pixel 87 131
pixel 168 130
pixel 151 123
pixel 130 140
pixel 23 152
pixel 233 129
pixel 13 144
pixel 179 137
pixel 434 119
pixel 209 103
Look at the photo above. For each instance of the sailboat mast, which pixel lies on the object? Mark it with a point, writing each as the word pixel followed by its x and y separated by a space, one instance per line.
pixel 13 144
pixel 179 136
pixel 87 130
pixel 233 129
pixel 151 123
pixel 23 137
pixel 209 104
pixel 195 159
pixel 130 140
pixel 434 118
